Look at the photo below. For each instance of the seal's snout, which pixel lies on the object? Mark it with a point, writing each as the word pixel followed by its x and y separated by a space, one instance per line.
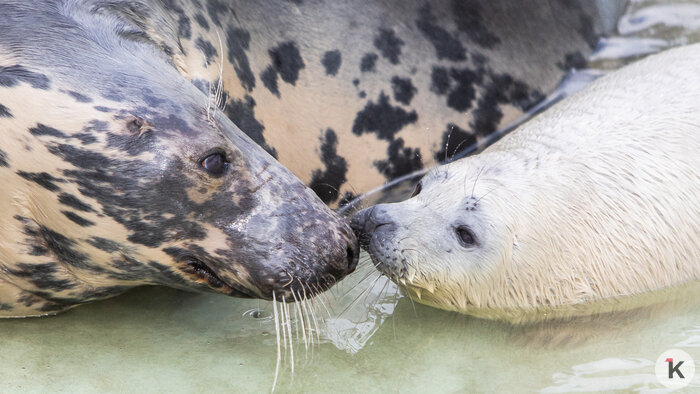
pixel 366 222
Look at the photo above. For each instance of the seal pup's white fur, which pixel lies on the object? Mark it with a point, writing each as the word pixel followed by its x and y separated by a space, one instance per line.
pixel 596 198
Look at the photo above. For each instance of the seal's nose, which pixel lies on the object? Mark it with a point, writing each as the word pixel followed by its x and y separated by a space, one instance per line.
pixel 353 254
pixel 366 222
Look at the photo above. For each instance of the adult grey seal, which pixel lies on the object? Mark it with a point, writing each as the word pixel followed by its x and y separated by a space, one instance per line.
pixel 596 198
pixel 351 94
pixel 117 172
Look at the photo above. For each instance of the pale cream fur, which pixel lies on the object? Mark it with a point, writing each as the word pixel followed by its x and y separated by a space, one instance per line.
pixel 596 198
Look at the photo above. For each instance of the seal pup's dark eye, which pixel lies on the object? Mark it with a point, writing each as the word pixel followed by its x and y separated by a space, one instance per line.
pixel 215 164
pixel 418 189
pixel 466 236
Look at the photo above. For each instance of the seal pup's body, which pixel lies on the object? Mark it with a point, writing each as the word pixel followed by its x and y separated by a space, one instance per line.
pixel 596 198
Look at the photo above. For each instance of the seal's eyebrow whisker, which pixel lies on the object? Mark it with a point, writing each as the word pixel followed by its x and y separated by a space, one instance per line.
pixel 476 180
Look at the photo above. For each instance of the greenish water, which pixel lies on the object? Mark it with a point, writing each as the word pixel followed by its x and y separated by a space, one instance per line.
pixel 164 340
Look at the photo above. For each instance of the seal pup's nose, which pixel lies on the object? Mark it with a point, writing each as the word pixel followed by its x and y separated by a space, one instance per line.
pixel 367 221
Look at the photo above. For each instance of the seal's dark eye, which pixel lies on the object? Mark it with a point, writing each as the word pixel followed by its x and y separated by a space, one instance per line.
pixel 466 236
pixel 418 189
pixel 215 164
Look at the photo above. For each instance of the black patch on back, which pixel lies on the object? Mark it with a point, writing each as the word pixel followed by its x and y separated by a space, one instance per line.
pixel 327 183
pixel 216 7
pixel 41 129
pixel 400 160
pixel 10 76
pixel 368 62
pixel 439 80
pixel 462 95
pixel 382 119
pixel 331 62
pixel 389 45
pixel 454 140
pixel 42 276
pixel 184 28
pixel 467 16
pixel 201 21
pixel 287 61
pixel 104 244
pixel 403 89
pixel 44 179
pixel 64 249
pixel 207 49
pixel 500 90
pixel 238 42
pixel 242 113
pixel 77 219
pixel 5 112
pixel 446 45
pixel 79 97
pixel 269 80
pixel 3 159
pixel 74 202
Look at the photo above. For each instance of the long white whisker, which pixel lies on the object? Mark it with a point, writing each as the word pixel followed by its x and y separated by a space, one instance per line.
pixel 277 335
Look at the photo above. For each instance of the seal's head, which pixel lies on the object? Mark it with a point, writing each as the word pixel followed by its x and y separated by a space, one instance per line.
pixel 446 249
pixel 119 172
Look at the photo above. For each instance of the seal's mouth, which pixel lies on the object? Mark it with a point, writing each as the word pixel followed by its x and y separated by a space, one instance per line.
pixel 207 276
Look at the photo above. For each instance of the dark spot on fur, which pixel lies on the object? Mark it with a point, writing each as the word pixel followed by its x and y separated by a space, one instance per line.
pixel 216 7
pixel 403 89
pixel 44 179
pixel 6 307
pixel 104 244
pixel 3 159
pixel 41 129
pixel 356 82
pixel 201 21
pixel 467 15
pixel 77 219
pixel 42 275
pixel 103 109
pixel 74 202
pixel 242 113
pixel 326 183
pixel 331 62
pixel 500 90
pixel 454 140
pixel 238 42
pixel 269 80
pixel 462 95
pixel 207 49
pixel 446 45
pixel 368 62
pixel 184 29
pixel 79 97
pixel 400 160
pixel 362 94
pixel 64 249
pixel 5 112
pixel 439 80
pixel 382 118
pixel 389 45
pixel 287 61
pixel 10 76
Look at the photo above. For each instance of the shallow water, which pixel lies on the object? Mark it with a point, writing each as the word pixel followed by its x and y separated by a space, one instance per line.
pixel 164 340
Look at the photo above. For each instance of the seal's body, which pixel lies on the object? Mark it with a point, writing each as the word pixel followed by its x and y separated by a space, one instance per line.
pixel 350 94
pixel 116 171
pixel 597 197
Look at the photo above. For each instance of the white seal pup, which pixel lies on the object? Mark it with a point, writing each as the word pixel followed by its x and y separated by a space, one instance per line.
pixel 596 198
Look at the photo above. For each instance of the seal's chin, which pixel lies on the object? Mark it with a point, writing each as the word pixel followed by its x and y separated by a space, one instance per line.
pixel 201 273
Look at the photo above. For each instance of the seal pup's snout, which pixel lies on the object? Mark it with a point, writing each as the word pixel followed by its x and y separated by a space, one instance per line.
pixel 366 222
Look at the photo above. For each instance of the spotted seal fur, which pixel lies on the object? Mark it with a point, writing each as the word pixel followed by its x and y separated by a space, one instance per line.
pixel 596 198
pixel 117 171
pixel 351 94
